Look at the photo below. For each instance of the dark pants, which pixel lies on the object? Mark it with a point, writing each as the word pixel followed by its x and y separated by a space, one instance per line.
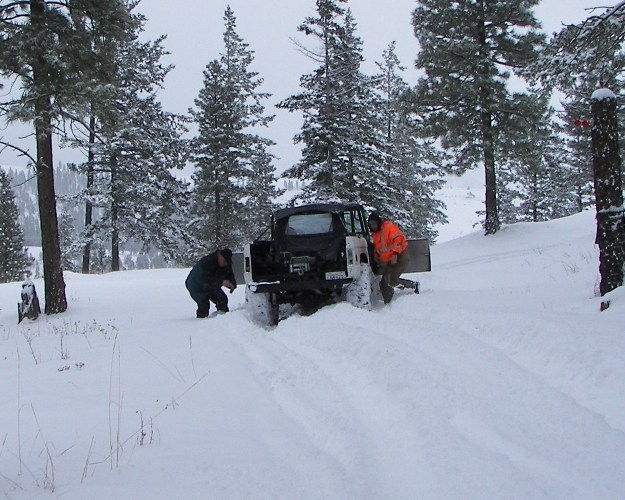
pixel 205 296
pixel 391 277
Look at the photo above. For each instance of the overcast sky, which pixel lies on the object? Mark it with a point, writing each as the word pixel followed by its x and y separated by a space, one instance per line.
pixel 194 38
pixel 194 30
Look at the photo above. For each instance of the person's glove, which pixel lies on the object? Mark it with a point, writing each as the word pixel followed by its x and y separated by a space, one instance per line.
pixel 394 258
pixel 229 285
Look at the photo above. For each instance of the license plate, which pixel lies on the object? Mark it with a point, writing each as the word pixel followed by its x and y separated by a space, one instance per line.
pixel 336 275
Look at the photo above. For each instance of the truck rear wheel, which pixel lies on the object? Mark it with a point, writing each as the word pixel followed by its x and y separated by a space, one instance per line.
pixel 261 308
pixel 361 292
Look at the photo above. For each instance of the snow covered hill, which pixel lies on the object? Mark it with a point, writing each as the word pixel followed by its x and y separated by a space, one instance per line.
pixel 501 380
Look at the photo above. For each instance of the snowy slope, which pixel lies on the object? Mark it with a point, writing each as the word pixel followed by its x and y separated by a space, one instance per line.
pixel 463 197
pixel 501 380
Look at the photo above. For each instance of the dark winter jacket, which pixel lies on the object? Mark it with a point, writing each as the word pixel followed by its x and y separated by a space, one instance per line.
pixel 208 274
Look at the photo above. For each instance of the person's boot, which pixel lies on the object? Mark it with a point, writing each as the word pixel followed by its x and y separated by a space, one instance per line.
pixel 202 312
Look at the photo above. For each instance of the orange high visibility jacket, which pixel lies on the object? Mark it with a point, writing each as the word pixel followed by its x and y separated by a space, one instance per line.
pixel 388 240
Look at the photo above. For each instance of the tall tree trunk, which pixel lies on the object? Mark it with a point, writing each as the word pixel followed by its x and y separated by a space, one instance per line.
pixel 579 200
pixel 114 218
pixel 56 301
pixel 608 192
pixel 114 244
pixel 86 256
pixel 218 212
pixel 491 222
pixel 535 198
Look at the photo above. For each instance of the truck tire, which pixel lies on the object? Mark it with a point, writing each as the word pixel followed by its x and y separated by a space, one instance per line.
pixel 361 292
pixel 260 308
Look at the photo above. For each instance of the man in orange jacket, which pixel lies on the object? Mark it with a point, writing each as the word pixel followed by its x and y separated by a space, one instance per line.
pixel 390 247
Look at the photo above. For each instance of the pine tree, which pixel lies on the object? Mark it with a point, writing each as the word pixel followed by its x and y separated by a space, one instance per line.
pixel 467 52
pixel 316 101
pixel 227 155
pixel 144 199
pixel 25 191
pixel 14 259
pixel 577 120
pixel 576 133
pixel 47 45
pixel 343 147
pixel 535 180
pixel 586 55
pixel 133 147
pixel 412 172
pixel 579 59
pixel 261 191
pixel 67 235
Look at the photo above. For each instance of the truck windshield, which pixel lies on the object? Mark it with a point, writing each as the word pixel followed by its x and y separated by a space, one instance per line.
pixel 304 224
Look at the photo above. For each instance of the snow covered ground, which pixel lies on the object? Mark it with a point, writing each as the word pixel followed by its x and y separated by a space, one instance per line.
pixel 502 380
pixel 463 197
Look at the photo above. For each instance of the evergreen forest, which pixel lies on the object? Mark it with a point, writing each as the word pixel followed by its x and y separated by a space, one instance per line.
pixel 81 72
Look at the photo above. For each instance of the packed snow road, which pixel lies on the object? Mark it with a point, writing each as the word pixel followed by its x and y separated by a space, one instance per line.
pixel 414 408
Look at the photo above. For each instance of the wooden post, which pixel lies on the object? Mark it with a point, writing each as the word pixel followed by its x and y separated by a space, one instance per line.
pixel 608 190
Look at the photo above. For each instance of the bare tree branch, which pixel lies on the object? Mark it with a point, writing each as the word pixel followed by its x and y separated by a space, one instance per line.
pixel 22 152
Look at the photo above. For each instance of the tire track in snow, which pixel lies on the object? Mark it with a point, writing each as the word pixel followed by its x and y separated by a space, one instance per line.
pixel 546 430
pixel 419 400
pixel 311 399
pixel 398 404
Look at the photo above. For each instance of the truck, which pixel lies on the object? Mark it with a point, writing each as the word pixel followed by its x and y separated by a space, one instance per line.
pixel 315 255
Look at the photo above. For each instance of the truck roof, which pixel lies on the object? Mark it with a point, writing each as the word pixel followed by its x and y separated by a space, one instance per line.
pixel 315 208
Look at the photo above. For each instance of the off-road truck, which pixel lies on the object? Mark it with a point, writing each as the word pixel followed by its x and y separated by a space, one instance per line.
pixel 316 254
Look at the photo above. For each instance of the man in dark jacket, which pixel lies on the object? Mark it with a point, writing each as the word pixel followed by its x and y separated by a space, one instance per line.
pixel 207 277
